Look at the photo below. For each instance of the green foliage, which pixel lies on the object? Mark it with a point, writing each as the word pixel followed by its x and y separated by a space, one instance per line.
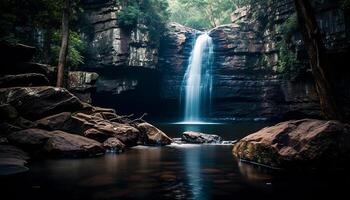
pixel 76 47
pixel 38 23
pixel 203 14
pixel 129 15
pixel 20 17
pixel 152 13
pixel 345 4
pixel 289 27
pixel 287 57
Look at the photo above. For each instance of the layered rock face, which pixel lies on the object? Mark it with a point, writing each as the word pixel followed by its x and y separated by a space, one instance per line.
pixel 249 75
pixel 113 45
pixel 249 81
pixel 124 57
pixel 175 51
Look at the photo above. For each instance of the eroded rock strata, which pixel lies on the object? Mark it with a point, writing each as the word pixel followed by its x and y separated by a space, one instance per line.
pixel 255 74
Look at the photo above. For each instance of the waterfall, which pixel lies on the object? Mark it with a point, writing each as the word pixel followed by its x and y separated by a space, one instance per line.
pixel 198 80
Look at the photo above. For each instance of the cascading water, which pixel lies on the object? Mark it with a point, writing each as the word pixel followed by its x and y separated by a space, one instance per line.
pixel 198 80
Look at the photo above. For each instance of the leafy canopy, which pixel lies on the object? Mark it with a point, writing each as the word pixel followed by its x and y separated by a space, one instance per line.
pixel 152 13
pixel 203 14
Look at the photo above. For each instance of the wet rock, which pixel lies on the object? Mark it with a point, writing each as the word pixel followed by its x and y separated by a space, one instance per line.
pixel 55 143
pixel 114 145
pixel 38 102
pixel 200 138
pixel 300 143
pixel 69 145
pixel 153 136
pixel 12 160
pixel 91 126
pixel 125 133
pixel 24 80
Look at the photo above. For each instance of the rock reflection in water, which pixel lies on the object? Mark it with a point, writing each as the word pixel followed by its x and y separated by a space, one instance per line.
pixel 254 173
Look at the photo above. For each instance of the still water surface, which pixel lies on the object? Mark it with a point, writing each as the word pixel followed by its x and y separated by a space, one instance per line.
pixel 172 172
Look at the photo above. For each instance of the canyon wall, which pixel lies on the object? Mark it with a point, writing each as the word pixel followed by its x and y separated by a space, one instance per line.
pixel 124 57
pixel 260 68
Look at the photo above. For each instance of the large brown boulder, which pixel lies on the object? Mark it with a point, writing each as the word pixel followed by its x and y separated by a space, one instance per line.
pixel 105 129
pixel 92 126
pixel 55 143
pixel 24 80
pixel 114 145
pixel 302 143
pixel 38 102
pixel 152 135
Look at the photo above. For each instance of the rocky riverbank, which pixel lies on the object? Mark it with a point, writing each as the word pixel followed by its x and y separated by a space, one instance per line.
pixel 40 121
pixel 306 143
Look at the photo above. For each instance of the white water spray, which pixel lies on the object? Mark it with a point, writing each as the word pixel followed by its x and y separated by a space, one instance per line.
pixel 198 80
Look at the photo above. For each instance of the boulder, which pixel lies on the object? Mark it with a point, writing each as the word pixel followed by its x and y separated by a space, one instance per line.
pixel 200 138
pixel 11 53
pixel 97 135
pixel 70 145
pixel 24 80
pixel 91 126
pixel 48 71
pixel 38 102
pixel 12 160
pixel 23 123
pixel 153 136
pixel 81 84
pixel 114 145
pixel 55 122
pixel 307 142
pixel 7 112
pixel 81 80
pixel 7 128
pixel 55 143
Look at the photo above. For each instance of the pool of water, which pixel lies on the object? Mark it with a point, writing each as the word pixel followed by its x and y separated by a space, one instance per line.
pixel 172 172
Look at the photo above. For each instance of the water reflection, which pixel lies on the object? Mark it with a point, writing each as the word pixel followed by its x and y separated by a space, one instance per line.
pixel 193 167
pixel 254 173
pixel 172 172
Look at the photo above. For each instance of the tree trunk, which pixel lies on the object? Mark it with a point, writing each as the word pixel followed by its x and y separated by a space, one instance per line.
pixel 318 59
pixel 62 60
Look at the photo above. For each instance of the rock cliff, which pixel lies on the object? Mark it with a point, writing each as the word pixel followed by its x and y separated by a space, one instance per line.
pixel 260 68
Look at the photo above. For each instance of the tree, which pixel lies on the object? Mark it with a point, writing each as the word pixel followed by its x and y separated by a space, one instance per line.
pixel 151 13
pixel 318 59
pixel 62 60
pixel 203 14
